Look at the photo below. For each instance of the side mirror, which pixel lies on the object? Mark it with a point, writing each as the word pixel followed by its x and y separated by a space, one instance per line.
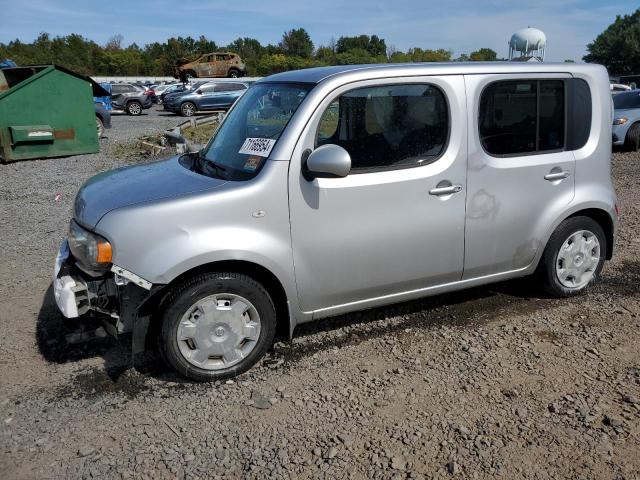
pixel 327 161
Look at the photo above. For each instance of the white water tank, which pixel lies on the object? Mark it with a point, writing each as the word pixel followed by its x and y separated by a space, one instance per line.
pixel 528 42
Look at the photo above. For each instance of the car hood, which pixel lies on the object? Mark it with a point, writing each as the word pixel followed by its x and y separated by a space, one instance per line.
pixel 133 185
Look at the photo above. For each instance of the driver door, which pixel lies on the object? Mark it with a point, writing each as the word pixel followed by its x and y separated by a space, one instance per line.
pixel 385 230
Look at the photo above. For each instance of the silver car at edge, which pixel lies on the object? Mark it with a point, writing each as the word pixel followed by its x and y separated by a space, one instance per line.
pixel 336 189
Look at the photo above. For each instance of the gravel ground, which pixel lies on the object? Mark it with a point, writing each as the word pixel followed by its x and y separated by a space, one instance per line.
pixel 492 382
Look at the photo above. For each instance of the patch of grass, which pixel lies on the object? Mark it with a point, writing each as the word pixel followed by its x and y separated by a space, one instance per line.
pixel 199 134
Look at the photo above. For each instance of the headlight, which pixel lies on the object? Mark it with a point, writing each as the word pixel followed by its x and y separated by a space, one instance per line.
pixel 91 250
pixel 620 120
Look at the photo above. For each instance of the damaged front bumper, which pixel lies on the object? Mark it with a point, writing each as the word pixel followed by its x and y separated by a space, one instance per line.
pixel 117 295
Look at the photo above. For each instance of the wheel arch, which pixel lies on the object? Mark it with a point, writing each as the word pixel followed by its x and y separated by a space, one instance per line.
pixel 602 218
pixel 285 322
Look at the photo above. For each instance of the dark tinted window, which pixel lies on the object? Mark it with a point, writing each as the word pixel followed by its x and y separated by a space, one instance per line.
pixel 551 116
pixel 117 89
pixel 229 87
pixel 578 113
pixel 626 100
pixel 522 116
pixel 387 127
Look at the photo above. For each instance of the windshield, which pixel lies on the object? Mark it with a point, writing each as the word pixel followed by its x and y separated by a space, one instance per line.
pixel 246 137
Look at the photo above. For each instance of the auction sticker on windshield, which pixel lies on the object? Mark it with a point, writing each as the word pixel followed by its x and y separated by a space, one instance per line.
pixel 257 146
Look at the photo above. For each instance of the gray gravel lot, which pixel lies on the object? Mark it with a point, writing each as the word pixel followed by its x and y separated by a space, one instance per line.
pixel 493 382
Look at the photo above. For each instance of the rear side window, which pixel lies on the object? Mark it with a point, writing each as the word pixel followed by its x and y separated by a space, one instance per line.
pixel 522 116
pixel 229 87
pixel 387 127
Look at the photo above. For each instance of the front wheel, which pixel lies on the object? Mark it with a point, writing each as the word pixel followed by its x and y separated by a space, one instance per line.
pixel 632 140
pixel 99 127
pixel 574 257
pixel 234 73
pixel 217 325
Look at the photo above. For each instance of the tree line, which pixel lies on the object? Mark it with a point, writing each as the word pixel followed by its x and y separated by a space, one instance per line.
pixel 294 51
pixel 617 48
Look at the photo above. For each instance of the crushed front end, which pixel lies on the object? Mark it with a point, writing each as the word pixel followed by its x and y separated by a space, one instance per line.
pixel 85 282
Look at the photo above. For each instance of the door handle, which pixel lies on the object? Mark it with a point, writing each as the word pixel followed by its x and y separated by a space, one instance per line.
pixel 556 176
pixel 448 190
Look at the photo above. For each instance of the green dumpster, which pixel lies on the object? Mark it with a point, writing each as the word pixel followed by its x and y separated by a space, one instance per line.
pixel 46 111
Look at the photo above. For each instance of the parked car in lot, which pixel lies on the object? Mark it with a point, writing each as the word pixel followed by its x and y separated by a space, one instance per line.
pixel 335 189
pixel 148 90
pixel 130 98
pixel 209 96
pixel 626 120
pixel 180 89
pixel 161 89
pixel 216 64
pixel 103 118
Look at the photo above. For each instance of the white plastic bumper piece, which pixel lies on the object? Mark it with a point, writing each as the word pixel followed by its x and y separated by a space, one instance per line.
pixel 64 291
pixel 65 288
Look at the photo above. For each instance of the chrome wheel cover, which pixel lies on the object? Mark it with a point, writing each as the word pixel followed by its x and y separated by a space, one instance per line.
pixel 578 259
pixel 134 109
pixel 218 331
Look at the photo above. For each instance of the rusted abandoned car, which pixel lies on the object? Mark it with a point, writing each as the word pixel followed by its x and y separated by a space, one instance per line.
pixel 217 64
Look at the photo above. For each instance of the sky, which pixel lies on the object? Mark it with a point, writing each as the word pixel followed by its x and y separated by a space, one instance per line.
pixel 453 25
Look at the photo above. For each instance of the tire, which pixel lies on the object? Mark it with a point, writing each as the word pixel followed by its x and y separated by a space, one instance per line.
pixel 632 140
pixel 202 319
pixel 565 273
pixel 234 73
pixel 188 109
pixel 99 127
pixel 134 108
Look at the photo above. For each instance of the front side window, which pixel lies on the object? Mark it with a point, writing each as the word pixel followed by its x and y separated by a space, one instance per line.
pixel 522 116
pixel 243 142
pixel 207 89
pixel 387 127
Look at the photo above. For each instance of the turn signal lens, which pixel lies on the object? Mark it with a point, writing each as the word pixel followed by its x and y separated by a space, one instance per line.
pixel 620 121
pixel 104 254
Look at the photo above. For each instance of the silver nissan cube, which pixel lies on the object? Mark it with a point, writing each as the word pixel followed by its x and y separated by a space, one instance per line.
pixel 336 189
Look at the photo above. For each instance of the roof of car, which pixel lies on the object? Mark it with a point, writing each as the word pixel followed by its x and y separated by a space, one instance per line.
pixel 319 74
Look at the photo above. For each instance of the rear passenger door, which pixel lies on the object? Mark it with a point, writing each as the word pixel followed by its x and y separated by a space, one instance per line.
pixel 521 173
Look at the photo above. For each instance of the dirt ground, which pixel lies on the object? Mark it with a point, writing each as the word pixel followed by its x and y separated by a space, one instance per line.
pixel 495 382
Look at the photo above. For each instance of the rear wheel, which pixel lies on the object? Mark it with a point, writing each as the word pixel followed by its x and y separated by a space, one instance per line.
pixel 632 140
pixel 188 109
pixel 134 108
pixel 573 258
pixel 217 325
pixel 234 73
